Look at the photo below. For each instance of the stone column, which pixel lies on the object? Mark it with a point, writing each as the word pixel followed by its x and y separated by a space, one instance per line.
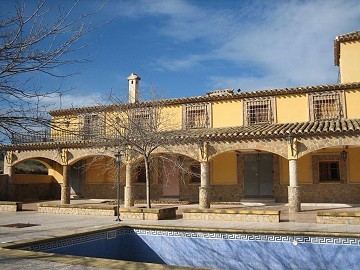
pixel 128 194
pixel 10 187
pixel 294 189
pixel 204 189
pixel 65 187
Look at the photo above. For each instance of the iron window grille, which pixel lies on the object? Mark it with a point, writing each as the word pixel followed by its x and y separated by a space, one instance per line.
pixel 327 106
pixel 91 125
pixel 259 111
pixel 197 116
pixel 143 118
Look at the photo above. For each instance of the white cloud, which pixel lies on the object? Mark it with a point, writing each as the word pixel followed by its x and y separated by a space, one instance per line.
pixel 289 41
pixel 73 101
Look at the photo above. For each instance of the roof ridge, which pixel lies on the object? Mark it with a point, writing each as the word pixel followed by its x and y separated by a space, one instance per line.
pixel 206 98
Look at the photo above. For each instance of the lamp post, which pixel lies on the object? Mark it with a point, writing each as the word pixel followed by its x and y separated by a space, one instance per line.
pixel 343 155
pixel 290 140
pixel 118 160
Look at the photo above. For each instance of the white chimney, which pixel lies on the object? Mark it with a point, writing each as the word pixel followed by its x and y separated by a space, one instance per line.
pixel 133 87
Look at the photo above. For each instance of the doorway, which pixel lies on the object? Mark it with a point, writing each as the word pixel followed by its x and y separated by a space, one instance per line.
pixel 258 176
pixel 170 177
pixel 76 178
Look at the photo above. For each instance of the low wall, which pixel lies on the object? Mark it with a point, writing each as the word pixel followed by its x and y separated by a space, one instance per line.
pixel 148 213
pixel 232 215
pixel 105 210
pixel 333 217
pixel 322 193
pixel 10 206
pixel 5 193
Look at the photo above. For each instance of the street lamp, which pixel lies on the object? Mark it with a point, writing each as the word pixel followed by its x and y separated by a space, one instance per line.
pixel 290 140
pixel 118 160
pixel 343 155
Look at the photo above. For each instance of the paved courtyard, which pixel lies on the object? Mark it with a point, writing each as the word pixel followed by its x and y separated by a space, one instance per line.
pixel 49 225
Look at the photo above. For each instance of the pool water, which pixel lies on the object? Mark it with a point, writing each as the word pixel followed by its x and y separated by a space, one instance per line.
pixel 223 250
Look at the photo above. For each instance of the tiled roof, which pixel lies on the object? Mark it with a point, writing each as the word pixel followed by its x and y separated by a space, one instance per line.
pixel 352 36
pixel 300 129
pixel 208 98
pixel 272 130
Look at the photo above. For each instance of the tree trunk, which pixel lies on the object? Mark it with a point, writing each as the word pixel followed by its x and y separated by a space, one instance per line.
pixel 148 203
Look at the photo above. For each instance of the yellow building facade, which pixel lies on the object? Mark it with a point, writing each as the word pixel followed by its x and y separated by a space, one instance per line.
pixel 291 145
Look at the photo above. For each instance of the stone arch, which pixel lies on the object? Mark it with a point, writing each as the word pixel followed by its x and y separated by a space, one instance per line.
pixel 40 160
pixel 76 154
pixel 49 154
pixel 311 144
pixel 274 146
pixel 189 150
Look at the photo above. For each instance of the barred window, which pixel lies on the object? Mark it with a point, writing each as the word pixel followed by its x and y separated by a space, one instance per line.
pixel 92 125
pixel 142 118
pixel 329 171
pixel 258 111
pixel 326 106
pixel 196 116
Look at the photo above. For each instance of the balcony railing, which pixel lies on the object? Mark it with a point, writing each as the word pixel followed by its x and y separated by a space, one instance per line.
pixel 34 137
pixel 57 136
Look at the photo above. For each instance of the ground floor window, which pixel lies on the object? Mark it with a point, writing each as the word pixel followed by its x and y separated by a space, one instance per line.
pixel 329 167
pixel 329 171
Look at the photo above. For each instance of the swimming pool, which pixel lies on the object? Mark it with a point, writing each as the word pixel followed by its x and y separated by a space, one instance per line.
pixel 212 248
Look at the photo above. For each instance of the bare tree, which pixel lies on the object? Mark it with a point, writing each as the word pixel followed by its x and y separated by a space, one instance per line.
pixel 32 43
pixel 142 129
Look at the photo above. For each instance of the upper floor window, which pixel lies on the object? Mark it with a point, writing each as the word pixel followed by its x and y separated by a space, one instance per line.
pixel 259 111
pixel 91 125
pixel 143 118
pixel 326 106
pixel 196 116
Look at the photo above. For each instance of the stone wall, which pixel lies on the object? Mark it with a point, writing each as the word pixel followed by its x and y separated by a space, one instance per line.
pixel 108 191
pixel 77 210
pixel 231 215
pixel 332 217
pixel 4 187
pixel 323 193
pixel 148 214
pixel 10 206
pixel 24 192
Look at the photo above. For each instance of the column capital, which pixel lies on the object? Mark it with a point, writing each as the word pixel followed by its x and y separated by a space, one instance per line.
pixel 64 155
pixel 9 158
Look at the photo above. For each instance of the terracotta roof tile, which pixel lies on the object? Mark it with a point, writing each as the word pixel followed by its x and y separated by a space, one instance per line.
pixel 272 130
pixel 207 98
pixel 328 127
pixel 352 36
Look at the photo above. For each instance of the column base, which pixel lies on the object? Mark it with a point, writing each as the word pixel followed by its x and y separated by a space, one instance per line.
pixel 294 199
pixel 128 197
pixel 204 197
pixel 65 194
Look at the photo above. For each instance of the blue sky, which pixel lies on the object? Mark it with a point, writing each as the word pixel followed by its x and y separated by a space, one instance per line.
pixel 187 48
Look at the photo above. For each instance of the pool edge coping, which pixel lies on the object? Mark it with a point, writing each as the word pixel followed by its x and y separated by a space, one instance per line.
pixel 12 249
